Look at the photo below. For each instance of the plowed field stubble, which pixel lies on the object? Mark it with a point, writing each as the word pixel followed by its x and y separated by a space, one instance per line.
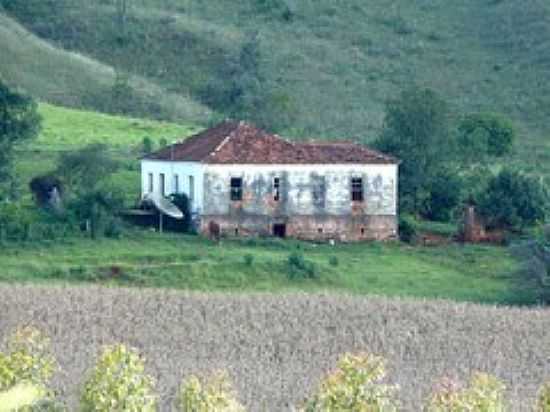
pixel 277 347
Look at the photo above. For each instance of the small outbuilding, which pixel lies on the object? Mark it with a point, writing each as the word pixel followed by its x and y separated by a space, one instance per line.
pixel 245 181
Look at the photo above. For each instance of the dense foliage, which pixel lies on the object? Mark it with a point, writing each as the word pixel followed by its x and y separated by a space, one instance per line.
pixel 535 264
pixel 118 383
pixel 513 200
pixel 19 121
pixel 485 393
pixel 415 129
pixel 214 393
pixel 354 386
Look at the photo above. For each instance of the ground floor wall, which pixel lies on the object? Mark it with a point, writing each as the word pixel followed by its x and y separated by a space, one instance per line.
pixel 306 227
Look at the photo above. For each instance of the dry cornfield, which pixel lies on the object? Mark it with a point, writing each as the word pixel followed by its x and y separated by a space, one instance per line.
pixel 276 348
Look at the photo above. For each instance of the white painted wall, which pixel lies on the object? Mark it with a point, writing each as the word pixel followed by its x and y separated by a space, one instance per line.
pixel 183 170
pixel 380 187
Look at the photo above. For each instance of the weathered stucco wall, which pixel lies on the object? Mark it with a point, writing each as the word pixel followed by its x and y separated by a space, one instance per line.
pixel 189 179
pixel 315 200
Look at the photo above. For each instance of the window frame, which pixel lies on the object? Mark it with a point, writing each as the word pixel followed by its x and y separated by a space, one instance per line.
pixel 236 190
pixel 276 189
pixel 357 189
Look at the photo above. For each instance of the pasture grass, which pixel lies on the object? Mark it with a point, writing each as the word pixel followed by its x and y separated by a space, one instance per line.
pixel 147 259
pixel 66 129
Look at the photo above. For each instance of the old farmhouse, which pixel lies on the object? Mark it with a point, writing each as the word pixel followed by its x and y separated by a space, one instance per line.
pixel 249 182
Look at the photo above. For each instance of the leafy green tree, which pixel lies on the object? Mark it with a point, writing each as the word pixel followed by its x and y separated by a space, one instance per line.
pixel 118 383
pixel 355 387
pixel 416 130
pixel 543 400
pixel 535 269
pixel 211 394
pixel 85 174
pixel 513 200
pixel 443 197
pixel 84 169
pixel 485 134
pixel 484 394
pixel 19 121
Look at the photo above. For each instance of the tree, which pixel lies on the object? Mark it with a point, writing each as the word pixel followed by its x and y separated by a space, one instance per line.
pixel 85 174
pixel 354 386
pixel 119 383
pixel 513 200
pixel 214 393
pixel 485 134
pixel 443 197
pixel 535 269
pixel 19 121
pixel 82 170
pixel 416 130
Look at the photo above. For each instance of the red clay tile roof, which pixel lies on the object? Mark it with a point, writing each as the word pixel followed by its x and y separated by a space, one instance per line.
pixel 232 142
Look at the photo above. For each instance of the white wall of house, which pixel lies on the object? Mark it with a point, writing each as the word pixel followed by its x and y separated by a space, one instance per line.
pixel 179 177
pixel 300 184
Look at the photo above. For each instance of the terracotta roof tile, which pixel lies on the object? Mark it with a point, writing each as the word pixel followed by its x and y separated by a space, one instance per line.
pixel 242 143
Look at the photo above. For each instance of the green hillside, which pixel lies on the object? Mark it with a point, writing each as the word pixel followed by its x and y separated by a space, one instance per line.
pixel 71 79
pixel 68 129
pixel 323 69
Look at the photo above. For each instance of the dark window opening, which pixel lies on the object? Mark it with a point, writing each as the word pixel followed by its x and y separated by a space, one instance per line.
pixel 320 230
pixel 357 189
pixel 236 189
pixel 362 231
pixel 279 230
pixel 236 231
pixel 276 189
pixel 162 184
pixel 150 177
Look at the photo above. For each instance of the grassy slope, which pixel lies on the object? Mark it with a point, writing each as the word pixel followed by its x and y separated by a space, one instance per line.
pixel 53 74
pixel 338 64
pixel 472 273
pixel 67 129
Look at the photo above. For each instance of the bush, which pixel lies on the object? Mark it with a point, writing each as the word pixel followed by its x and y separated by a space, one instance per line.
pixel 543 399
pixel 333 261
pixel 212 394
pixel 248 259
pixel 443 197
pixel 484 394
pixel 300 267
pixel 114 228
pixel 119 383
pixel 513 200
pixel 354 386
pixel 407 231
pixel 28 360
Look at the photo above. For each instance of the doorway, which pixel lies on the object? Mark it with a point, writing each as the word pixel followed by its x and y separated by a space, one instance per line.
pixel 279 230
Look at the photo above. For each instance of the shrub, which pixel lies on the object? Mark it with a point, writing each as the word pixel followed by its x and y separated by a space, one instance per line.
pixel 300 267
pixel 407 231
pixel 114 228
pixel 119 383
pixel 28 359
pixel 248 259
pixel 354 386
pixel 212 394
pixel 484 394
pixel 513 200
pixel 333 261
pixel 146 145
pixel 543 399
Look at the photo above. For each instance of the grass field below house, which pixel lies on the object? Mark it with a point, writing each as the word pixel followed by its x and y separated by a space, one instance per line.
pixel 147 259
